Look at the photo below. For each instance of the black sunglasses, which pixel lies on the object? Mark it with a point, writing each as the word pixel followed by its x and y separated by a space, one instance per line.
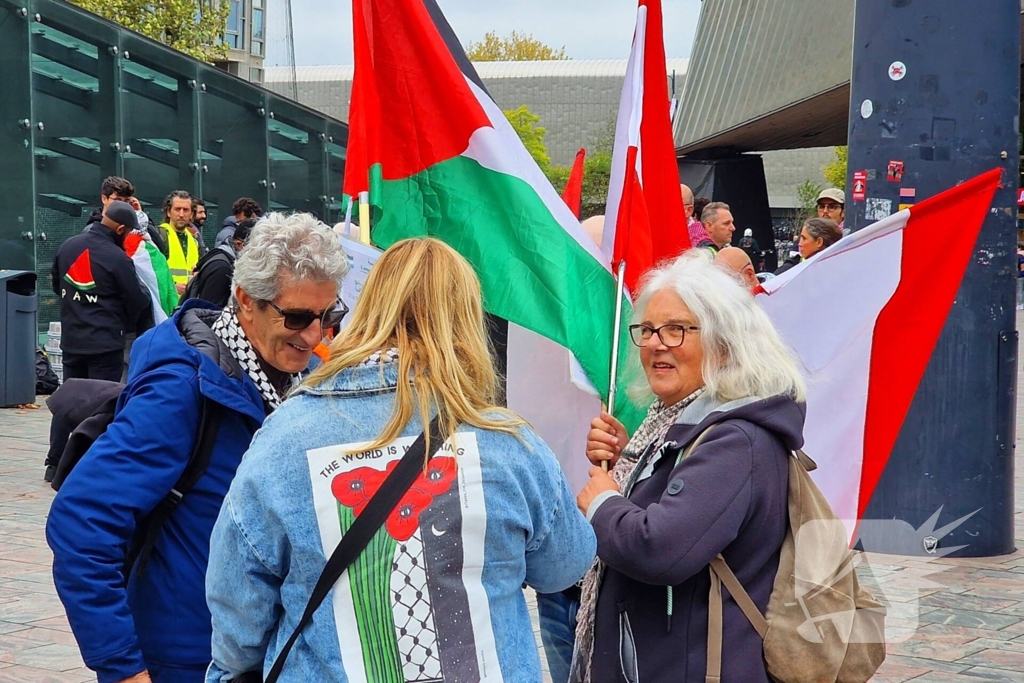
pixel 300 320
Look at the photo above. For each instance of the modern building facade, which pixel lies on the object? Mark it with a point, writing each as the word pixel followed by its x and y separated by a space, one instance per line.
pixel 84 98
pixel 246 39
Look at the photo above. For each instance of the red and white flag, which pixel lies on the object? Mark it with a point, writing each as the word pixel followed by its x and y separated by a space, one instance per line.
pixel 864 317
pixel 644 177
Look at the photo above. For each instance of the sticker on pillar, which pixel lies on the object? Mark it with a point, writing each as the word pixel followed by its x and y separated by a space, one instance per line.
pixel 1020 197
pixel 908 196
pixel 860 185
pixel 876 209
pixel 897 70
pixel 867 108
pixel 895 172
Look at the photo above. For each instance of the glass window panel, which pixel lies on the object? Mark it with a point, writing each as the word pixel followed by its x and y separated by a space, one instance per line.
pixel 233 144
pixel 151 128
pixel 257 48
pixel 76 115
pixel 291 175
pixel 257 24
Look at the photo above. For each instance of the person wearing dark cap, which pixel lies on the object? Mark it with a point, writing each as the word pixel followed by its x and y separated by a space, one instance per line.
pixel 212 279
pixel 100 296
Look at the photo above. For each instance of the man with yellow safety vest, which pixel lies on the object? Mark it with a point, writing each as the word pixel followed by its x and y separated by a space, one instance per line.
pixel 182 247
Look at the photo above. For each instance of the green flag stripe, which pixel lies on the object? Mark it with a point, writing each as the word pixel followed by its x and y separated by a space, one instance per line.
pixel 532 272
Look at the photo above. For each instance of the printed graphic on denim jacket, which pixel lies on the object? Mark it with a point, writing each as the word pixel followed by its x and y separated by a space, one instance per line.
pixel 415 595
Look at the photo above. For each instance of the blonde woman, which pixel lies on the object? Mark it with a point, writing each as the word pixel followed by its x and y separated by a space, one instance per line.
pixel 437 595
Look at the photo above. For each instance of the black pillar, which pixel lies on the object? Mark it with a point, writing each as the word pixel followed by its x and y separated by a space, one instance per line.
pixel 935 97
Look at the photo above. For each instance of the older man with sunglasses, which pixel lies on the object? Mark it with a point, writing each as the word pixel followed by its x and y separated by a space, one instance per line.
pixel 205 372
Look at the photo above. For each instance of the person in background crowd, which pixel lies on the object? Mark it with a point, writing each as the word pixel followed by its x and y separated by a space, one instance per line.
pixel 720 373
pixel 116 188
pixel 239 364
pixel 718 222
pixel 751 247
pixel 196 226
pixel 241 210
pixel 737 262
pixel 831 204
pixel 416 347
pixel 816 235
pixel 699 204
pixel 694 226
pixel 212 279
pixel 101 298
pixel 182 246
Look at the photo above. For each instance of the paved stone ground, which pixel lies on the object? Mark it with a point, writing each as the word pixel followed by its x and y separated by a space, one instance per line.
pixel 968 626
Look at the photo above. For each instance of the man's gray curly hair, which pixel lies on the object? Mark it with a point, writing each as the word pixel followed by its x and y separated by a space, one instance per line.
pixel 288 248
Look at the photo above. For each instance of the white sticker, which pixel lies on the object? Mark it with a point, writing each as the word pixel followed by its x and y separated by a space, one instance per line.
pixel 876 209
pixel 897 70
pixel 866 109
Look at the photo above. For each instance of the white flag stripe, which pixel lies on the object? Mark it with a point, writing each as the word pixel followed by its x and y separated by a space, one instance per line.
pixel 835 349
pixel 499 149
pixel 627 131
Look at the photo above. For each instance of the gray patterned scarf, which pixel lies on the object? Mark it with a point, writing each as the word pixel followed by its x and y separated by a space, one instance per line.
pixel 650 433
pixel 231 334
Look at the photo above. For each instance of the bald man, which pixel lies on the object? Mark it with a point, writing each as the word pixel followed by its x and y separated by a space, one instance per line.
pixel 694 227
pixel 736 261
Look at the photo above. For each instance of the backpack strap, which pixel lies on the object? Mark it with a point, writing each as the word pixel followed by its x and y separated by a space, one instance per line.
pixel 198 462
pixel 720 569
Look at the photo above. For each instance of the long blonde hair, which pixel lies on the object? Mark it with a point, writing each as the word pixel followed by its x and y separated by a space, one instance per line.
pixel 423 298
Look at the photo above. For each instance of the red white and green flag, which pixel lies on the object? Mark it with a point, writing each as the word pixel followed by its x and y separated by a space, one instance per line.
pixel 438 158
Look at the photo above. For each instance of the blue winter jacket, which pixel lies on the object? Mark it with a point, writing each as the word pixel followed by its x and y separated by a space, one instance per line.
pixel 161 617
pixel 437 595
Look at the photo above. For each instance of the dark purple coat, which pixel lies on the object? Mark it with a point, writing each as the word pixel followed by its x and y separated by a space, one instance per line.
pixel 729 496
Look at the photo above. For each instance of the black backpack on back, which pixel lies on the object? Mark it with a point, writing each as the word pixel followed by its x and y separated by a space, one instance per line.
pixel 85 432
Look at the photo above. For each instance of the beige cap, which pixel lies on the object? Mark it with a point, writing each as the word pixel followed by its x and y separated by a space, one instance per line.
pixel 833 194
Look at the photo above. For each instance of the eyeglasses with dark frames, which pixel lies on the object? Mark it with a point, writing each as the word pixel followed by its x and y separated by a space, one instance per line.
pixel 300 320
pixel 671 336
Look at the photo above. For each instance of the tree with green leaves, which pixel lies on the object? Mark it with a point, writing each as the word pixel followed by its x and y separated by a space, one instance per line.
pixel 195 27
pixel 524 123
pixel 807 194
pixel 518 47
pixel 835 170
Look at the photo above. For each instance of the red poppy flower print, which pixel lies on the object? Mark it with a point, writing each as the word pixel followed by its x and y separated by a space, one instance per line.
pixel 354 489
pixel 438 478
pixel 405 518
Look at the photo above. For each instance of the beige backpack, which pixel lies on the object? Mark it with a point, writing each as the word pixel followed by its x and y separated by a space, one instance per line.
pixel 821 626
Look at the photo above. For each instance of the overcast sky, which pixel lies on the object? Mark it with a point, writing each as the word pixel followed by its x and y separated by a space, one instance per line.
pixel 589 29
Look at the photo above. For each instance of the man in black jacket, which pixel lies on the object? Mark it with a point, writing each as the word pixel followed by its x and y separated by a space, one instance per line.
pixel 115 189
pixel 100 296
pixel 212 279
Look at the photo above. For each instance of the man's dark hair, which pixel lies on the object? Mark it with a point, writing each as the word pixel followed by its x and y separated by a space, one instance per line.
pixel 247 207
pixel 117 185
pixel 244 229
pixel 196 201
pixel 169 201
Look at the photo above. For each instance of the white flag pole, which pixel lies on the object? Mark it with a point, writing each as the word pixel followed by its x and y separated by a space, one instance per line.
pixel 620 290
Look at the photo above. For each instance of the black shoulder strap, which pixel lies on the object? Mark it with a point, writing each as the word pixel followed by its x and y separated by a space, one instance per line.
pixel 198 462
pixel 363 529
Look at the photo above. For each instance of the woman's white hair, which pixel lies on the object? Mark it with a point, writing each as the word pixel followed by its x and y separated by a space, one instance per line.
pixel 288 248
pixel 743 354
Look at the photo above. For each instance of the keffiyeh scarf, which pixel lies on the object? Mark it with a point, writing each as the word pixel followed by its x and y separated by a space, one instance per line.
pixel 650 433
pixel 231 334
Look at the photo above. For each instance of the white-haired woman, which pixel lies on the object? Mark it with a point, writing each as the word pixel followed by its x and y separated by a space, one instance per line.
pixel 711 358
pixel 202 371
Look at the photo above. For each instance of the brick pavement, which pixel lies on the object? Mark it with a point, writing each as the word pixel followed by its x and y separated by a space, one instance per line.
pixel 970 625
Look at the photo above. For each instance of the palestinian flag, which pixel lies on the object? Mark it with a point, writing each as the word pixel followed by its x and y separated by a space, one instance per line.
pixel 438 158
pixel 80 273
pixel 152 271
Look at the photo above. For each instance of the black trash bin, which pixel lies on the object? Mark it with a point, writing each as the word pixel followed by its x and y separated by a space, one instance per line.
pixel 19 308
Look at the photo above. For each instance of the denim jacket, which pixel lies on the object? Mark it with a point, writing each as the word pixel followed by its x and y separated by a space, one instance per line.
pixel 437 595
